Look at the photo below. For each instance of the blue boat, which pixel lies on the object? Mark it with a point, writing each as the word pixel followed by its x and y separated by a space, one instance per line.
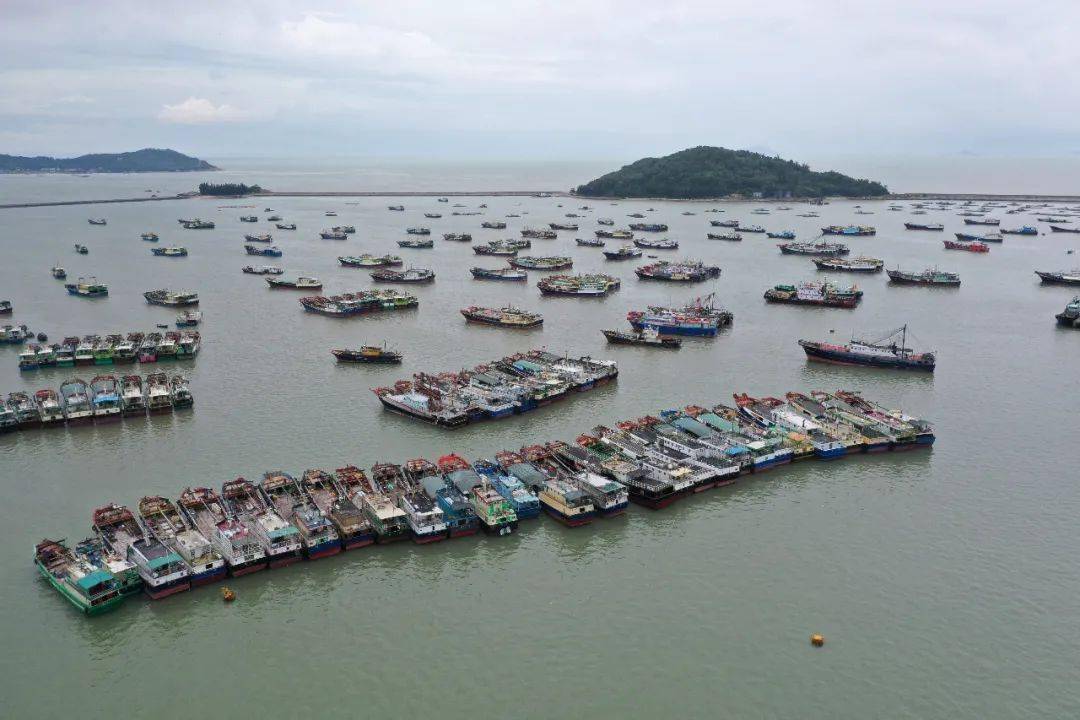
pixel 270 251
pixel 524 502
pixel 785 235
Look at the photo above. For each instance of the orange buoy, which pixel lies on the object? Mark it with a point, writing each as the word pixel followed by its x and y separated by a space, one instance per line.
pixel 817 640
pixel 227 595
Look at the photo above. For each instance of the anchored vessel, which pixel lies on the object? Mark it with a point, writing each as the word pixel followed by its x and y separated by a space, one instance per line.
pixel 857 264
pixel 203 510
pixel 930 276
pixel 508 316
pixel 163 571
pixel 90 589
pixel 823 294
pixel 1070 316
pixel 885 352
pixel 678 271
pixel 1065 277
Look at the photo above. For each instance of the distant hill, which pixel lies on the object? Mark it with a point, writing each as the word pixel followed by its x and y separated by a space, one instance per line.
pixel 713 172
pixel 146 160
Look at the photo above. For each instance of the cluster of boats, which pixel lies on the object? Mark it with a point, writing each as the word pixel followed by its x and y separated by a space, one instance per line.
pixel 166 547
pixel 104 398
pixel 510 385
pixel 113 349
pixel 359 303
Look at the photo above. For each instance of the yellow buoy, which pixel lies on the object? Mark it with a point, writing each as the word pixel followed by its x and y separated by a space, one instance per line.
pixel 817 640
pixel 227 595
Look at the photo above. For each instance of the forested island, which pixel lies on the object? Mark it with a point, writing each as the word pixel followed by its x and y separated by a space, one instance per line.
pixel 145 160
pixel 228 189
pixel 714 172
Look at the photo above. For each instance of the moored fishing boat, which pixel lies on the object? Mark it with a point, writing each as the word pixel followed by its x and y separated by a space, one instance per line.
pixel 367 260
pixel 203 510
pixel 147 352
pixel 523 501
pixel 648 337
pixel 359 303
pixel 180 393
pixel 197 224
pixel 588 285
pixel 105 398
pixel 649 227
pixel 75 399
pixel 271 251
pixel 377 496
pixel 731 237
pixel 300 283
pixel 677 271
pixel 507 273
pixel 416 243
pixel 884 352
pixel 626 252
pixel 333 235
pixel 823 294
pixel 285 226
pixel 975 247
pixel 1064 277
pixel 317 534
pixel 58 272
pixel 149 237
pixel 563 226
pixel 265 519
pixel 566 502
pixel 261 238
pixel 49 407
pixel 936 227
pixel 496 248
pixel 26 412
pixel 930 276
pixel 459 237
pixel 426 521
pixel 785 235
pixel 615 234
pixel 418 231
pixel 981 221
pixel 859 264
pixel 334 498
pixel 458 513
pixel 856 230
pixel 1070 316
pixel 410 276
pixel 825 249
pixel 1023 230
pixel 262 270
pixel 589 242
pixel 664 244
pixel 165 523
pixel 132 400
pixel 158 396
pixel 171 298
pixel 98 555
pixel 87 287
pixel 508 316
pixel 539 234
pixel 163 571
pixel 191 318
pixel 1060 229
pixel 91 589
pixel 173 251
pixel 700 317
pixel 529 262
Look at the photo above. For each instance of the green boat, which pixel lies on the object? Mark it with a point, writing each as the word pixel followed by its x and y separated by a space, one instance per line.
pixel 94 552
pixel 92 590
pixel 103 351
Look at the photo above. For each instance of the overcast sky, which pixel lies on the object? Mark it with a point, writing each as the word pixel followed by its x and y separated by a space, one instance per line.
pixel 580 79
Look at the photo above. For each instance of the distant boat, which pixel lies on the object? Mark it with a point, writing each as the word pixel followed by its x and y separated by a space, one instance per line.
pixel 96 221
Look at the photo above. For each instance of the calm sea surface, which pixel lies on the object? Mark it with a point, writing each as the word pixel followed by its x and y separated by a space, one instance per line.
pixel 945 582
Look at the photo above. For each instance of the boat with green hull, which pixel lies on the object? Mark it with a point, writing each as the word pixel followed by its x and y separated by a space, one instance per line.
pixel 90 589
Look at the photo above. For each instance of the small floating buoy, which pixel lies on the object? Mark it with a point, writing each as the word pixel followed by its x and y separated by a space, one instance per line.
pixel 227 595
pixel 817 640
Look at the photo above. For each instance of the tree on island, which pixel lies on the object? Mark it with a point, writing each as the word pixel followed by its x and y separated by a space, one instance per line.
pixel 713 172
pixel 228 189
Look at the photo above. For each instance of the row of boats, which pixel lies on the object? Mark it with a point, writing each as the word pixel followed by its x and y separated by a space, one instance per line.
pixel 169 546
pixel 103 399
pixel 112 349
pixel 511 385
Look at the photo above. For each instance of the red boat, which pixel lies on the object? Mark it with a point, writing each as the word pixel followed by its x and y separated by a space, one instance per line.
pixel 974 246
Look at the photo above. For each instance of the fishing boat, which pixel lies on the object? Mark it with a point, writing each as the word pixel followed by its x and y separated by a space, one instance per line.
pixel 506 273
pixel 982 221
pixel 930 276
pixel 823 294
pixel 203 510
pixel 82 249
pixel 1060 229
pixel 168 346
pixel 724 223
pixel 935 227
pixel 191 318
pixel 459 237
pixel 90 589
pixel 1065 277
pixel 317 534
pixel 14 335
pixel 262 270
pixel 99 556
pixel 96 221
pixel 173 251
pixel 425 519
pixel 656 244
pixel 58 272
pixel 648 227
pixel 285 226
pixel 84 350
pixel 416 244
pixel 984 238
pixel 124 350
pixel 162 570
pixel 615 234
pixel 333 235
pixel 539 234
pixel 158 395
pixel 856 230
pixel 366 301
pixel 458 513
pixel 785 235
pixel 1024 230
pixel 626 252
pixel 300 283
pixel 197 224
pixel 1070 316
pixel 270 524
pixel 975 247
pixel 368 354
pixel 824 249
pixel 26 411
pixel 147 352
pixel 750 228
pixel 87 287
pixel 188 345
pixel 677 271
pixel 409 276
pixel 859 264
pixel 367 260
pixel 700 317
pixel 171 298
pixel 605 221
pixel 274 218
pixel 270 251
pixel 523 501
pixel 508 316
pixel 180 393
pixel 334 498
pixel 582 286
pixel 377 497
pixel 530 262
pixel 885 352
pixel 75 400
pixel 566 502
pixel 49 406
pixel 165 523
pixel 105 398
pixel 260 238
pixel 132 400
pixel 647 337
pixel 495 248
pixel 103 349
pixel 249 218
pixel 589 242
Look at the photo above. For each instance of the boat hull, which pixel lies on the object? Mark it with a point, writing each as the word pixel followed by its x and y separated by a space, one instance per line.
pixel 209 576
pixel 164 591
pixel 575 521
pixel 247 568
pixel 500 529
pixel 285 559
